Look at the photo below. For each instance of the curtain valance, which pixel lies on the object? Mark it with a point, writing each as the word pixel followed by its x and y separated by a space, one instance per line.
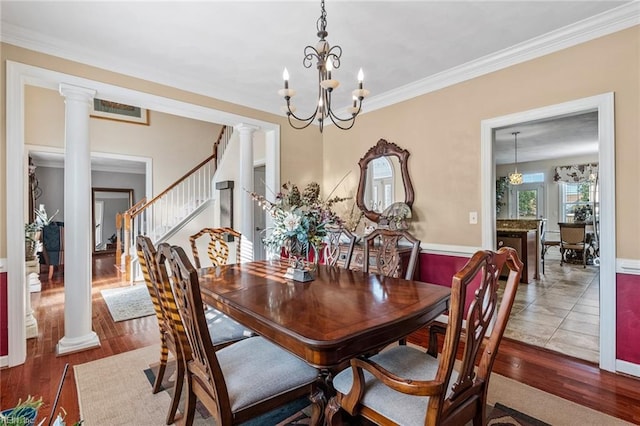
pixel 576 173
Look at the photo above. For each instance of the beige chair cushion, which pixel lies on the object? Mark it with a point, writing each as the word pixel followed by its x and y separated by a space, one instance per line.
pixel 255 369
pixel 404 361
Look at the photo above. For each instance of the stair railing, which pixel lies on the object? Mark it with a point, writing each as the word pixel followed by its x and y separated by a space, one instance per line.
pixel 157 217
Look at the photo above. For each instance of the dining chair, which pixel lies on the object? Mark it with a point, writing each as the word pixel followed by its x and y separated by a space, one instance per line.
pixel 573 239
pixel 406 386
pixel 387 258
pixel 217 248
pixel 546 243
pixel 337 237
pixel 239 381
pixel 223 329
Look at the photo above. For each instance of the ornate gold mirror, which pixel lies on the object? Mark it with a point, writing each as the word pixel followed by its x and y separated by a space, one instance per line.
pixel 106 203
pixel 384 179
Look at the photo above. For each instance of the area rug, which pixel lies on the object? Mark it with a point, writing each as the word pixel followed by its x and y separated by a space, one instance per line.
pixel 501 415
pixel 126 303
pixel 116 391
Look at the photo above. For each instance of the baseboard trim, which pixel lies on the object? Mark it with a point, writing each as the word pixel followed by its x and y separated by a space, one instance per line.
pixel 4 361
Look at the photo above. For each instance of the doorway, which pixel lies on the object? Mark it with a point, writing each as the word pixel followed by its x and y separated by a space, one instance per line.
pixel 259 215
pixel 603 105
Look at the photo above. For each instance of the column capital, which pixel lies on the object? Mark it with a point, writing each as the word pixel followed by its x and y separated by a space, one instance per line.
pixel 76 92
pixel 244 128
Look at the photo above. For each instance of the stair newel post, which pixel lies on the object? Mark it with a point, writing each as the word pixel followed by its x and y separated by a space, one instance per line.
pixel 118 259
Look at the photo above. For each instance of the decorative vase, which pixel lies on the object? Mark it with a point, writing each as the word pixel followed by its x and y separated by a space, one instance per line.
pixel 30 246
pixel 299 265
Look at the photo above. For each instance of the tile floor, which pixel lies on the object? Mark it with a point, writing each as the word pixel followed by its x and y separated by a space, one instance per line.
pixel 560 311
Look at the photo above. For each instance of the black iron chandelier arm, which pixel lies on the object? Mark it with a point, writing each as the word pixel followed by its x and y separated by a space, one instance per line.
pixel 310 53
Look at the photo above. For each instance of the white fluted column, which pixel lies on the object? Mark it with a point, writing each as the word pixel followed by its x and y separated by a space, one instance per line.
pixel 245 132
pixel 78 334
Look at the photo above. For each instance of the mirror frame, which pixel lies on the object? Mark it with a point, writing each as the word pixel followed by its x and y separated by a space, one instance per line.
pixel 93 215
pixel 383 149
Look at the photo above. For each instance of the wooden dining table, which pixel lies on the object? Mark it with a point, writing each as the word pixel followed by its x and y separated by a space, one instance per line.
pixel 339 315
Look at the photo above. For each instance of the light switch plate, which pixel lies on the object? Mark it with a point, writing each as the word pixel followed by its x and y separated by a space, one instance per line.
pixel 473 218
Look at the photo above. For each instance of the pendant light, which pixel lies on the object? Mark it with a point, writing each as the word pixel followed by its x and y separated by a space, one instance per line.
pixel 515 178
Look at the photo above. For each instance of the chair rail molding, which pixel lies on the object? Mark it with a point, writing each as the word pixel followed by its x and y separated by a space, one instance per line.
pixel 628 266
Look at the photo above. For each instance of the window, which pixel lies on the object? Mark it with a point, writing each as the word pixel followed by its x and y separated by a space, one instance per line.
pixel 532 177
pixel 528 197
pixel 380 184
pixel 577 201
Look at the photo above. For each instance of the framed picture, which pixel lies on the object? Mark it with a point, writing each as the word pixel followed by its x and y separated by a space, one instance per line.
pixel 114 111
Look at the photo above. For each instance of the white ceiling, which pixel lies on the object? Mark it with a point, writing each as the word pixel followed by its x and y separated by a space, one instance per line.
pixel 236 50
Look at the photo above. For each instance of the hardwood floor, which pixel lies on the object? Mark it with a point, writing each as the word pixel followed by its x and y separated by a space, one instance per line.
pixel 570 378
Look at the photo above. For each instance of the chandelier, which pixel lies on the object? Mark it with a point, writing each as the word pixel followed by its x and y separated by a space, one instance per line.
pixel 327 59
pixel 515 178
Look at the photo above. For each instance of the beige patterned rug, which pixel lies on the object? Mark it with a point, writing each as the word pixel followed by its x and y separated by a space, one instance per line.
pixel 129 302
pixel 116 391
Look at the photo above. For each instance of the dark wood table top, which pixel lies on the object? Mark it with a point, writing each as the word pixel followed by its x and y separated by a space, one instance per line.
pixel 327 321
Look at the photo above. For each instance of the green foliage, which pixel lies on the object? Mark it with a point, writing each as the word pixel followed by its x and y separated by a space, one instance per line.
pixel 527 203
pixel 501 188
pixel 584 191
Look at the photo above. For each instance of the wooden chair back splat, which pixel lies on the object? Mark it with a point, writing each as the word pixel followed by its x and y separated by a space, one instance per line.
pixel 455 397
pixel 387 257
pixel 217 249
pixel 336 235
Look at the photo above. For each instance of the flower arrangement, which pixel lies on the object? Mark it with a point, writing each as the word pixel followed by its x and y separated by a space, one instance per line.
pixel 299 220
pixel 31 230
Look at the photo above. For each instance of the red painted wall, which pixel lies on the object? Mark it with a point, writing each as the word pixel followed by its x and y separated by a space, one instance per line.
pixel 628 318
pixel 439 269
pixel 4 321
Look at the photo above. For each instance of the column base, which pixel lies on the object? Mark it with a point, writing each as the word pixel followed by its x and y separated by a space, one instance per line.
pixel 33 279
pixel 31 326
pixel 68 345
pixel 34 283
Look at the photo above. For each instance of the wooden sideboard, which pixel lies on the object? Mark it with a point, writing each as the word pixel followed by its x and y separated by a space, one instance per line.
pixel 357 260
pixel 525 243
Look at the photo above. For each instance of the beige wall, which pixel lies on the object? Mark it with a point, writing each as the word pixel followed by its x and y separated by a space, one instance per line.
pixel 301 151
pixel 175 144
pixel 441 130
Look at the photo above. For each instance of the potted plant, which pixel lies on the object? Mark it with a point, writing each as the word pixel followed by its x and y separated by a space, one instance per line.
pixel 31 237
pixel 32 231
pixel 23 414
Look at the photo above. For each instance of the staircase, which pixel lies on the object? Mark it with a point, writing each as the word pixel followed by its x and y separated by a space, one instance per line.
pixel 167 212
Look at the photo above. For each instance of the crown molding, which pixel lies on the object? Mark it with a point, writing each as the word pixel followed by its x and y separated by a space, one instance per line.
pixel 609 22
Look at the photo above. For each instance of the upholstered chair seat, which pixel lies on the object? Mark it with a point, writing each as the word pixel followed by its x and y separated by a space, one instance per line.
pixel 252 376
pixel 224 330
pixel 403 361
